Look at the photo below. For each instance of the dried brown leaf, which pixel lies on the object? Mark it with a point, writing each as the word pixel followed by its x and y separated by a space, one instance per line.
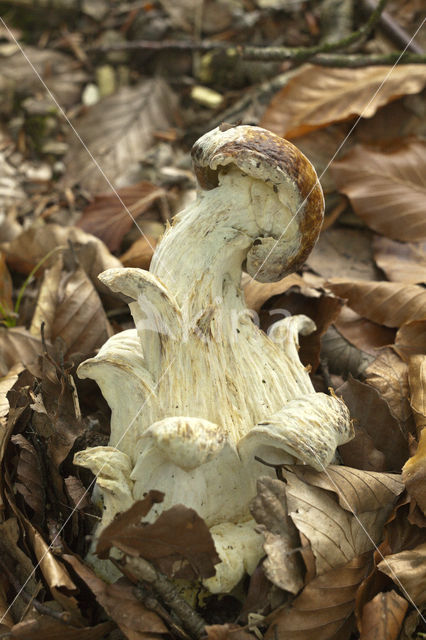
pixel 29 479
pixel 387 189
pixel 417 382
pixel 71 310
pixel 47 628
pixel 282 566
pixel 121 604
pixel 107 218
pixel 401 261
pixel 414 474
pixel 364 334
pixel 140 253
pixel 317 96
pixel 178 543
pixel 410 339
pixel 227 632
pixel 257 293
pixel 118 130
pixel 379 443
pixel 409 569
pixel 388 303
pixel 6 384
pixel 340 532
pixel 6 288
pixel 382 617
pixel 389 375
pixel 17 346
pixel 341 356
pixel 324 608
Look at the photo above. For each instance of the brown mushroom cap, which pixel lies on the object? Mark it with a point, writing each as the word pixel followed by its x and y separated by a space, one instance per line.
pixel 267 157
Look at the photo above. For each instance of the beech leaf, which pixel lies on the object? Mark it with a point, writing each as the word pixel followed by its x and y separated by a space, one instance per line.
pixel 401 262
pixel 382 617
pixel 387 189
pixel 408 568
pixel 317 96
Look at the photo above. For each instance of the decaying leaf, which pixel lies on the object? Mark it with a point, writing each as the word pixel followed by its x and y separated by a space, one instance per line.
pixel 29 480
pixel 389 375
pixel 118 131
pixel 179 542
pixel 408 568
pixel 227 632
pixel 6 288
pixel 17 346
pixel 318 96
pixel 6 383
pixel 140 253
pixel 387 189
pixel 417 382
pixel 410 339
pixel 47 628
pixel 382 617
pixel 364 334
pixel 341 356
pixel 414 474
pixel 401 261
pixel 379 443
pixel 283 565
pixel 107 218
pixel 121 604
pixel 388 303
pixel 257 293
pixel 70 309
pixel 325 606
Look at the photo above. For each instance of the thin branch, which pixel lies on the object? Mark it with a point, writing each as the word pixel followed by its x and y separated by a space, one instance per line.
pixel 353 61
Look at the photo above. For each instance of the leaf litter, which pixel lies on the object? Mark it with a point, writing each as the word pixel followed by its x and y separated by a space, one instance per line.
pixel 363 286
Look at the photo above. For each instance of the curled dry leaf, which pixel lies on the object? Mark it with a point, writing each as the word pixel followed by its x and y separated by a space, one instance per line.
pixel 29 480
pixel 410 339
pixel 118 131
pixel 341 356
pixel 379 443
pixel 257 293
pixel 408 568
pixel 71 310
pixel 389 375
pixel 362 333
pixel 107 218
pixel 340 532
pixel 382 617
pixel 387 189
pixel 17 346
pixel 417 382
pixel 283 566
pixel 317 96
pixel 46 628
pixel 414 474
pixel 140 253
pixel 325 606
pixel 120 603
pixel 6 383
pixel 388 303
pixel 401 261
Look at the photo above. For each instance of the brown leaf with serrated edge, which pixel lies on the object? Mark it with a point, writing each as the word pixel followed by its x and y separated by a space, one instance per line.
pixel 379 443
pixel 389 375
pixel 29 479
pixel 401 261
pixel 382 617
pixel 108 218
pixel 47 628
pixel 324 609
pixel 178 543
pixel 408 568
pixel 340 530
pixel 227 632
pixel 388 303
pixel 120 603
pixel 257 293
pixel 417 382
pixel 317 96
pixel 140 253
pixel 364 334
pixel 70 309
pixel 414 474
pixel 283 566
pixel 118 130
pixel 410 339
pixel 387 189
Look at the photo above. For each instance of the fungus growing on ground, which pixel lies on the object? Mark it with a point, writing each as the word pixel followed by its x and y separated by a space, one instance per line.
pixel 198 392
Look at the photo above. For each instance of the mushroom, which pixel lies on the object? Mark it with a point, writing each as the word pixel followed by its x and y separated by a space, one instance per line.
pixel 200 396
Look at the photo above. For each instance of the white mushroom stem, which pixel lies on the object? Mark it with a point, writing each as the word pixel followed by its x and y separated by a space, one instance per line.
pixel 197 391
